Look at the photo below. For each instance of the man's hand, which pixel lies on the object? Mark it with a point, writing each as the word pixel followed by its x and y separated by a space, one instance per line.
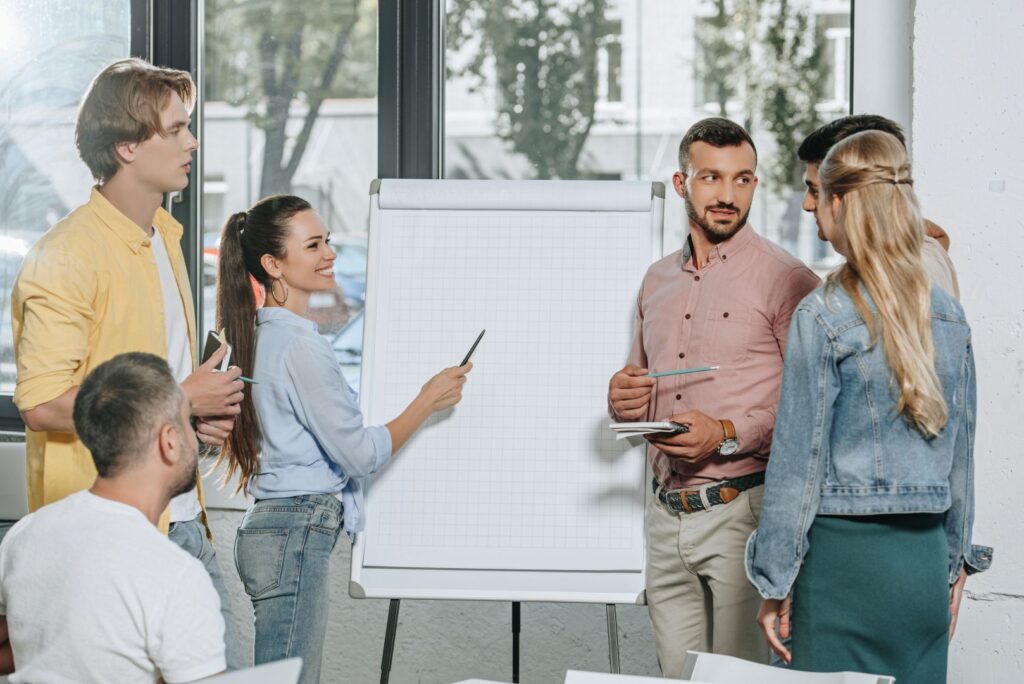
pixel 211 392
pixel 629 392
pixel 214 431
pixel 956 592
pixel 701 441
pixel 934 230
pixel 772 610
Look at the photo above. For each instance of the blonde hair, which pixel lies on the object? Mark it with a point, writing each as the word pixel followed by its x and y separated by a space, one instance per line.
pixel 123 104
pixel 879 222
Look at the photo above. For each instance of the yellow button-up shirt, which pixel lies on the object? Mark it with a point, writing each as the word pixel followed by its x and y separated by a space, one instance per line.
pixel 88 290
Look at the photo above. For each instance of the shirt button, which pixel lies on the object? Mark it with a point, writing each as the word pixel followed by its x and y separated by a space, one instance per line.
pixel 725 315
pixel 687 316
pixel 724 257
pixel 681 355
pixel 679 396
pixel 696 277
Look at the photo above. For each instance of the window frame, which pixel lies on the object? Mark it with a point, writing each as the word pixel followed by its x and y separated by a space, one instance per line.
pixel 140 46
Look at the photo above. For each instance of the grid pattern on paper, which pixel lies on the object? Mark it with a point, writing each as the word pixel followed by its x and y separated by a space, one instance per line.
pixel 524 473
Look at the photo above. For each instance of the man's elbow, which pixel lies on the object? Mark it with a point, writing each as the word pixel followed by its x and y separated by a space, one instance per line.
pixel 35 418
pixel 41 419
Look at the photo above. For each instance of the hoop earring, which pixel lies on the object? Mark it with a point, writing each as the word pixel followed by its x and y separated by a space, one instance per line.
pixel 279 300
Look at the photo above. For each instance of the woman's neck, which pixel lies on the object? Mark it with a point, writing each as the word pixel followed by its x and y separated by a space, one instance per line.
pixel 297 301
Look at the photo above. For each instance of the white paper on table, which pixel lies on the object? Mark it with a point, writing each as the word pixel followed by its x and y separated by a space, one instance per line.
pixel 580 677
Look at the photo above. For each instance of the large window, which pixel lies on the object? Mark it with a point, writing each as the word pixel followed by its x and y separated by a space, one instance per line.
pixel 289 106
pixel 49 52
pixel 606 88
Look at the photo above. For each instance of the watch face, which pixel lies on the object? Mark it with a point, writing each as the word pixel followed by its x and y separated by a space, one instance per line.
pixel 728 447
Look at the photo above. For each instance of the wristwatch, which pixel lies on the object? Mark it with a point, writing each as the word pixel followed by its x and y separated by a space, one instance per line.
pixel 729 445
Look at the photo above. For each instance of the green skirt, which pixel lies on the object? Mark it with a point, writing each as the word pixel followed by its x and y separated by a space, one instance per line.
pixel 873 596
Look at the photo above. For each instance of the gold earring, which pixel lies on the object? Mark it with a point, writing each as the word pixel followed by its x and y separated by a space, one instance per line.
pixel 279 300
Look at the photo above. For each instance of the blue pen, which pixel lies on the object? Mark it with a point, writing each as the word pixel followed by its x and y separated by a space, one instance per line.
pixel 681 371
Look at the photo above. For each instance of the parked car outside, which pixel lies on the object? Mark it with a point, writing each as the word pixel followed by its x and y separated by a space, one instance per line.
pixel 350 267
pixel 348 349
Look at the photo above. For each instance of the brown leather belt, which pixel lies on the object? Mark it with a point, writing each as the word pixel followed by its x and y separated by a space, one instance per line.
pixel 690 501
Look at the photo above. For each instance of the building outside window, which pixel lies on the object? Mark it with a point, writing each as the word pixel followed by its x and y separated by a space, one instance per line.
pixel 290 106
pixel 606 88
pixel 49 53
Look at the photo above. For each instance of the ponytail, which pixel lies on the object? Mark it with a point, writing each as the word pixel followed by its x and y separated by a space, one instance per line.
pixel 236 316
pixel 245 238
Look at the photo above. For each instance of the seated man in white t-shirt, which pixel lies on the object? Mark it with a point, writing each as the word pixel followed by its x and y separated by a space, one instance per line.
pixel 90 590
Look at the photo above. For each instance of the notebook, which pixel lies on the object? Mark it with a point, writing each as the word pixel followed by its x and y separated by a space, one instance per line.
pixel 636 429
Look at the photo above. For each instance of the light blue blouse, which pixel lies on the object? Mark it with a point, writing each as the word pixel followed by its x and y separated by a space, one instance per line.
pixel 314 441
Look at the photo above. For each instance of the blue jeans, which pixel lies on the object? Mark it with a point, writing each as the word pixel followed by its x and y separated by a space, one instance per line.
pixel 283 554
pixel 190 535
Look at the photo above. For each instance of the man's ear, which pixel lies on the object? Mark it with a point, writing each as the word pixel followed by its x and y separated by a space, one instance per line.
pixel 125 151
pixel 835 204
pixel 679 183
pixel 167 445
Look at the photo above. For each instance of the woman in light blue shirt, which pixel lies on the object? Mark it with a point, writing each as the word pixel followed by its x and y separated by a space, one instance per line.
pixel 299 445
pixel 869 494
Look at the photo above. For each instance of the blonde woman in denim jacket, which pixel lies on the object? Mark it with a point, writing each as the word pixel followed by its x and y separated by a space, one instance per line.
pixel 869 496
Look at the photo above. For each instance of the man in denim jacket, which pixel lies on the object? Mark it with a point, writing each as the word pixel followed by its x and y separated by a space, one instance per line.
pixel 724 299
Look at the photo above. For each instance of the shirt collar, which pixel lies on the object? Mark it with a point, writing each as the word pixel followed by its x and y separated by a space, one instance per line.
pixel 279 314
pixel 722 250
pixel 126 230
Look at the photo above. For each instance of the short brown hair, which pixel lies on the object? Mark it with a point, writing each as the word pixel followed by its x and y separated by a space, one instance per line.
pixel 714 131
pixel 123 104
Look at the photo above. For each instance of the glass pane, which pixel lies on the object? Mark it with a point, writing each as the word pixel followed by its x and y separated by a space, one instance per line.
pixel 606 88
pixel 290 106
pixel 50 50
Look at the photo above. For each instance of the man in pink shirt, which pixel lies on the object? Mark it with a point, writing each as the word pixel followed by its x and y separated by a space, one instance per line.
pixel 724 299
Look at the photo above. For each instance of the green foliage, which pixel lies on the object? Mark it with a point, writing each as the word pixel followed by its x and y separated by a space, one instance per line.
pixel 767 55
pixel 270 55
pixel 724 68
pixel 542 58
pixel 793 76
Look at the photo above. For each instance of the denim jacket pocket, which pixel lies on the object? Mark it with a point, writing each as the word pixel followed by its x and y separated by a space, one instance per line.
pixel 259 559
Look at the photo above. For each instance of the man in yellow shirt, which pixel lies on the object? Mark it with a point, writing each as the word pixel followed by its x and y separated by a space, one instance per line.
pixel 110 278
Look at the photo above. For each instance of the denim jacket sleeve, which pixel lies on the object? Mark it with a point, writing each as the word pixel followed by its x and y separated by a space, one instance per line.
pixel 799 456
pixel 960 516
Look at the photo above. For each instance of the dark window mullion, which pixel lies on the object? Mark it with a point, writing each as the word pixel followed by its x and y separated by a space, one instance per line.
pixel 410 88
pixel 176 44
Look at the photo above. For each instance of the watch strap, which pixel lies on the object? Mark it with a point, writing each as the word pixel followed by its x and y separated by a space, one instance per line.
pixel 728 429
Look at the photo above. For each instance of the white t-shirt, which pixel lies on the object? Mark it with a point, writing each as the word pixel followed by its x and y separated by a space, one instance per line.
pixel 94 593
pixel 179 356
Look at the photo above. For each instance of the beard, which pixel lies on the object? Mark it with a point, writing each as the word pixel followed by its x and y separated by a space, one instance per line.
pixel 189 476
pixel 715 233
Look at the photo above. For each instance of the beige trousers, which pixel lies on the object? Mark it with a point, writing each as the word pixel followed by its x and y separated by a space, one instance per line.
pixel 697 589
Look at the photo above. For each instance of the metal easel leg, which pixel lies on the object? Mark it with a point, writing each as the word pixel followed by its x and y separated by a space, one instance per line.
pixel 515 640
pixel 613 638
pixel 389 641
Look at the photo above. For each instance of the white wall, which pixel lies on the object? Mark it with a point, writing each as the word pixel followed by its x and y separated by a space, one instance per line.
pixel 969 172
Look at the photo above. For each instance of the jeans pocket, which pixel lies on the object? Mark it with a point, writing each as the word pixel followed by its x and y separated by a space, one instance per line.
pixel 259 559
